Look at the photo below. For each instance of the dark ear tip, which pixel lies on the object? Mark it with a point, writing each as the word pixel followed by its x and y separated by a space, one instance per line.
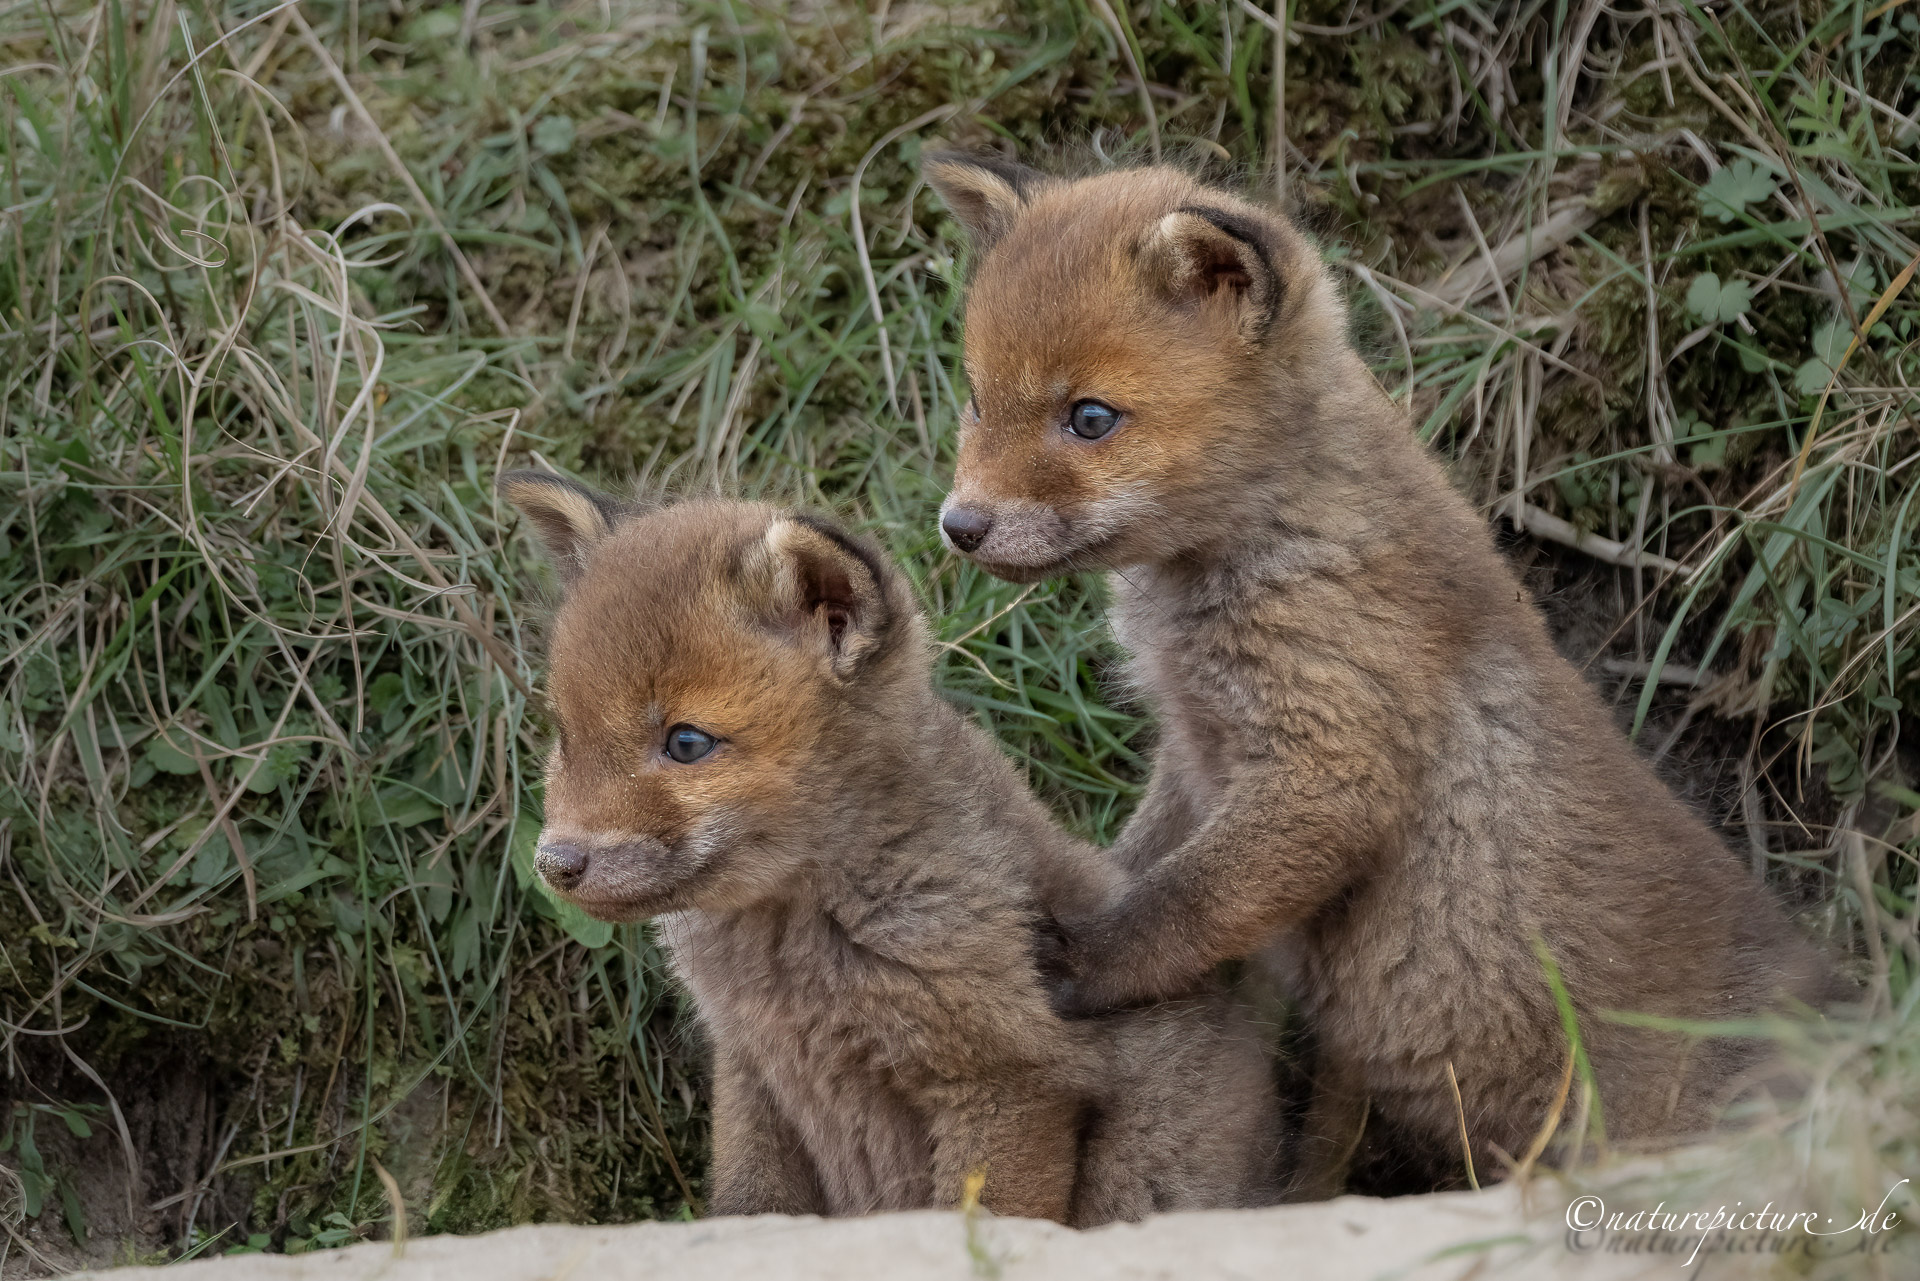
pixel 858 546
pixel 507 481
pixel 1023 179
pixel 878 565
pixel 819 523
pixel 958 156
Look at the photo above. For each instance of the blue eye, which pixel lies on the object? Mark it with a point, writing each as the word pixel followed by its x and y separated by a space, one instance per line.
pixel 686 744
pixel 1090 420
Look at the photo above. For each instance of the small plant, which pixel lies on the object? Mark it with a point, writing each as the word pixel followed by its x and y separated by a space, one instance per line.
pixel 39 1186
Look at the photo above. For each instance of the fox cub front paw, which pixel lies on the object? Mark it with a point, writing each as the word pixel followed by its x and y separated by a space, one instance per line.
pixel 1120 959
pixel 1085 974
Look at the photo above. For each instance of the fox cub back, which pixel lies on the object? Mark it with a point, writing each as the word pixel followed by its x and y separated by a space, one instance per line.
pixel 855 886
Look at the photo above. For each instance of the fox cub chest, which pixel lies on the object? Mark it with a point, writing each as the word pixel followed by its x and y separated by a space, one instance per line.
pixel 856 994
pixel 1202 693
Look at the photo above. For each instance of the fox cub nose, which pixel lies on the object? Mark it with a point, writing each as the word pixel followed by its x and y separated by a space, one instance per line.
pixel 562 865
pixel 966 527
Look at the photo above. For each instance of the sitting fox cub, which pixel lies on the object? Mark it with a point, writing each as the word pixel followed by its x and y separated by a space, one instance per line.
pixel 855 885
pixel 1374 768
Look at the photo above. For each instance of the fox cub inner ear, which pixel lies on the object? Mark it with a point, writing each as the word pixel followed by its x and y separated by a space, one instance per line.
pixel 1196 254
pixel 830 590
pixel 985 193
pixel 570 517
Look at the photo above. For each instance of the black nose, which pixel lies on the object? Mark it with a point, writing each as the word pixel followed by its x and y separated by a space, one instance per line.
pixel 966 527
pixel 561 864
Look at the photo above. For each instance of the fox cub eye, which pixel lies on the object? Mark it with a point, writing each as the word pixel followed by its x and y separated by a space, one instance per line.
pixel 687 744
pixel 1090 420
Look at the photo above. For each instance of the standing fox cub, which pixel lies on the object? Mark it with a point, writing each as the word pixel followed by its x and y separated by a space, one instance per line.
pixel 855 885
pixel 1374 771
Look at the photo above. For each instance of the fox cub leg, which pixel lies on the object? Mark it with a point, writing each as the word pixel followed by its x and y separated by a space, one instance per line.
pixel 759 1164
pixel 1166 816
pixel 1271 854
pixel 1024 1138
pixel 1335 1123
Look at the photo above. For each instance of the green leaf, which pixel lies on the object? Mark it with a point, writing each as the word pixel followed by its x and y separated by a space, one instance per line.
pixel 435 24
pixel 210 864
pixel 1708 454
pixel 399 807
pixel 553 135
pixel 583 928
pixel 387 690
pixel 1829 343
pixel 347 916
pixel 33 1192
pixel 164 756
pixel 1717 303
pixel 532 219
pixel 526 839
pixel 466 942
pixel 1730 190
pixel 39 933
pixel 76 1217
pixel 284 869
pixel 30 1160
pixel 282 763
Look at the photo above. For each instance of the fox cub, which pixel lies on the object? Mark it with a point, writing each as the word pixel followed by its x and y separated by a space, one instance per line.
pixel 856 887
pixel 1374 770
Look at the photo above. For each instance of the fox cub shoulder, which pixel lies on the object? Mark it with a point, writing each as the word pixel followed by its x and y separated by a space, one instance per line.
pixel 855 886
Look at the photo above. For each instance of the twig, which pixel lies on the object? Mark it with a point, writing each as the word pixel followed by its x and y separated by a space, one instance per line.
pixel 1670 673
pixel 1528 247
pixel 1544 524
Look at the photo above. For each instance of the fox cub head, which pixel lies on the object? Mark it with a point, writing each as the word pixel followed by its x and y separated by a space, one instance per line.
pixel 1137 345
pixel 714 673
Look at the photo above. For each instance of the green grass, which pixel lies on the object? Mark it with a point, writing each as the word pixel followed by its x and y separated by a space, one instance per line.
pixel 269 726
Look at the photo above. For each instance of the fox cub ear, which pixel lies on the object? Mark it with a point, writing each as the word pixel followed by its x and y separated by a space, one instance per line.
pixel 569 517
pixel 986 193
pixel 1196 254
pixel 830 590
